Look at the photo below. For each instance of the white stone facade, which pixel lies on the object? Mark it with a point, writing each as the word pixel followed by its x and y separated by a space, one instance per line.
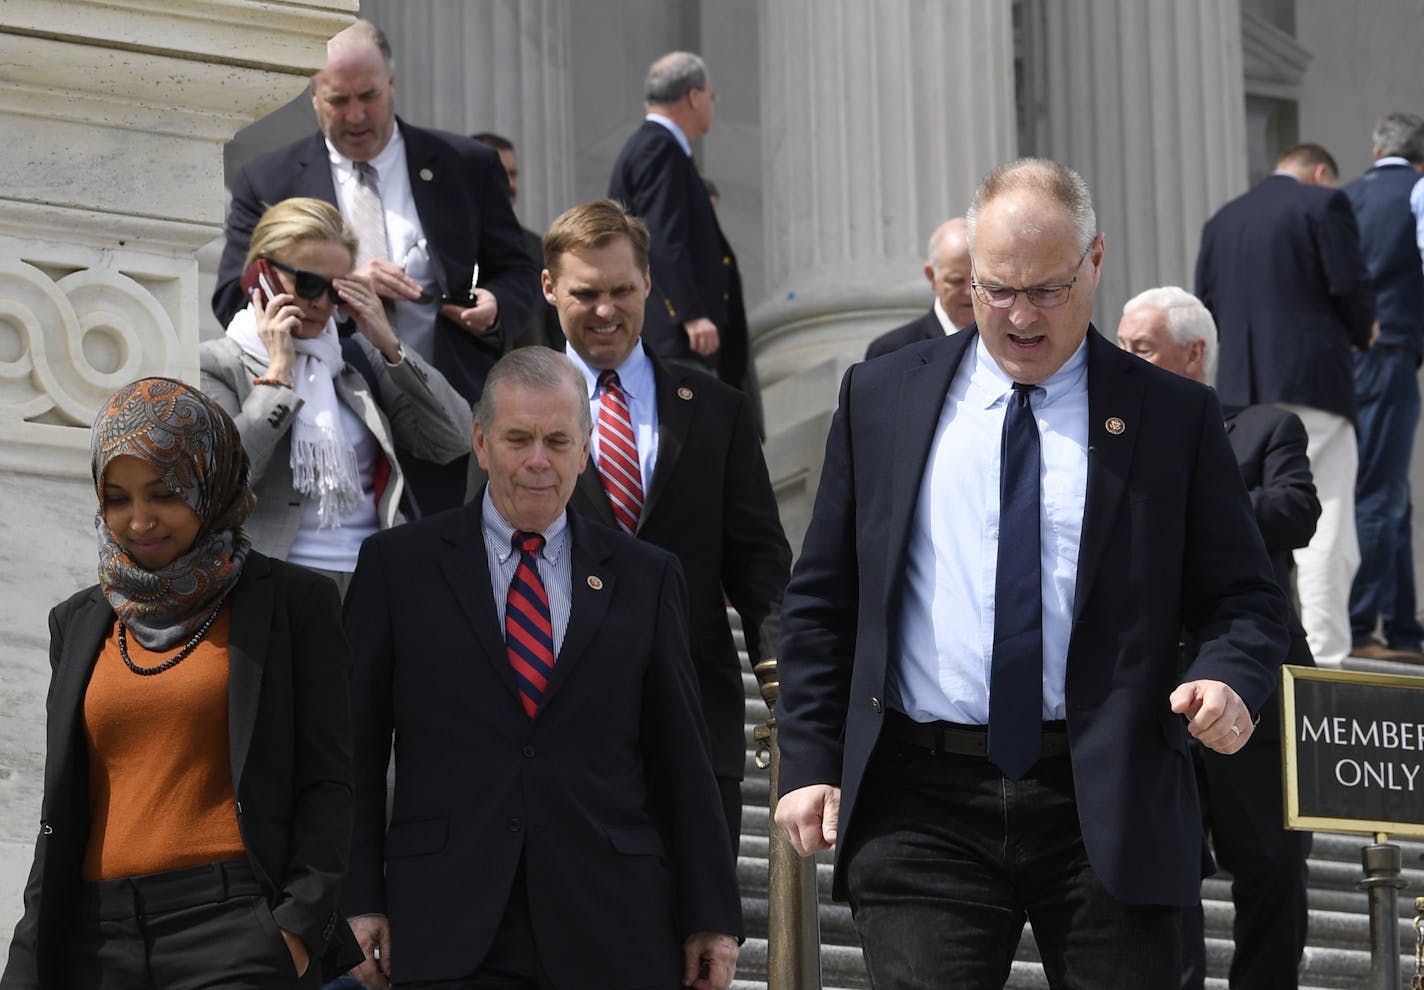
pixel 846 131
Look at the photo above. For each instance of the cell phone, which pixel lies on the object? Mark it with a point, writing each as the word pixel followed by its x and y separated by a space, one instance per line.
pixel 260 276
pixel 465 300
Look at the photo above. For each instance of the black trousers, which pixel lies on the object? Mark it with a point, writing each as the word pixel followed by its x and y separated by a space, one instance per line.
pixel 1242 810
pixel 202 927
pixel 948 859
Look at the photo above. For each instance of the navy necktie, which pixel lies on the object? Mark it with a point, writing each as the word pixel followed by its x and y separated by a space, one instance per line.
pixel 1016 677
pixel 528 631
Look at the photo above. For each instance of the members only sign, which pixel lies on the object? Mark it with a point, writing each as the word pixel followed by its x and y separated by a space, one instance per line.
pixel 1354 751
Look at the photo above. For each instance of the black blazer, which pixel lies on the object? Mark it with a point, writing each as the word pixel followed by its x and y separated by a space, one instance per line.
pixel 711 503
pixel 289 736
pixel 462 198
pixel 926 327
pixel 606 795
pixel 690 260
pixel 1269 444
pixel 1280 269
pixel 1168 541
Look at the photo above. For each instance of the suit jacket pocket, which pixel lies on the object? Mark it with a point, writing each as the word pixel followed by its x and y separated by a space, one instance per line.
pixel 636 840
pixel 416 838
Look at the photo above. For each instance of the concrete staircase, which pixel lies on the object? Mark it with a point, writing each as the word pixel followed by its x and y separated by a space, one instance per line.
pixel 1337 957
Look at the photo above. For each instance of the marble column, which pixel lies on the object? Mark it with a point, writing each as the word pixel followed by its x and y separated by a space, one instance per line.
pixel 878 120
pixel 114 114
pixel 492 65
pixel 1145 99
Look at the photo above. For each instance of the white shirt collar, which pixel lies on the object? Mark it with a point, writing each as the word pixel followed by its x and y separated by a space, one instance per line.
pixel 667 122
pixel 393 151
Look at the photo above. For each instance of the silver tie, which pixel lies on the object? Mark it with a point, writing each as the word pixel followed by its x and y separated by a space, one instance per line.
pixel 368 217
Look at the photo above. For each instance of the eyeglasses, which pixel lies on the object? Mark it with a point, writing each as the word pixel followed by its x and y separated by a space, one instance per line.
pixel 309 285
pixel 1042 296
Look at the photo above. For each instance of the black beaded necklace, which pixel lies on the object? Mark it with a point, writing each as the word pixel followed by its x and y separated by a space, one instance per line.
pixel 178 657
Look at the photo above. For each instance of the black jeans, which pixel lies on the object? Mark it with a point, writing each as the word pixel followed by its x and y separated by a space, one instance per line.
pixel 203 927
pixel 947 859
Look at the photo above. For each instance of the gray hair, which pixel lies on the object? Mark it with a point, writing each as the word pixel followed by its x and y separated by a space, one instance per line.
pixel 1188 320
pixel 362 31
pixel 1050 178
pixel 533 367
pixel 942 232
pixel 1401 135
pixel 672 77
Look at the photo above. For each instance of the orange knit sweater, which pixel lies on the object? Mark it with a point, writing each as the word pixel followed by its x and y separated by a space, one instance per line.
pixel 160 779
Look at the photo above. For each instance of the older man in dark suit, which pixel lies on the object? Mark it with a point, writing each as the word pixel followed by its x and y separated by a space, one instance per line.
pixel 429 208
pixel 1241 794
pixel 947 271
pixel 555 820
pixel 694 269
pixel 982 701
pixel 1280 270
pixel 678 464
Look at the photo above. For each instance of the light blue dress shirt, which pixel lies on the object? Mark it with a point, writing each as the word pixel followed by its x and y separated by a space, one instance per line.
pixel 943 645
pixel 635 377
pixel 554 561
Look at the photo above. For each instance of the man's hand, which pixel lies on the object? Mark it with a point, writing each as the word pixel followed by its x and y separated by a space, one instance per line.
pixel 709 961
pixel 702 336
pixel 301 958
pixel 389 280
pixel 810 817
pixel 373 933
pixel 1218 718
pixel 477 318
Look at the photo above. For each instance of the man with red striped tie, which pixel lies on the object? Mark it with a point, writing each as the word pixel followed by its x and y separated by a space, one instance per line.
pixel 555 819
pixel 677 463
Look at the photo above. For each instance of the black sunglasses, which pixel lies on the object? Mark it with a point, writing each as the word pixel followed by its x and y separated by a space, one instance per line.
pixel 309 285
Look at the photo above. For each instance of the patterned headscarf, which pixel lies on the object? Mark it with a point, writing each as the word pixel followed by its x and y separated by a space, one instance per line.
pixel 196 445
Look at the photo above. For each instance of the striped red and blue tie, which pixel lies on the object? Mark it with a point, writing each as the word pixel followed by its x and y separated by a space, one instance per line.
pixel 618 454
pixel 528 630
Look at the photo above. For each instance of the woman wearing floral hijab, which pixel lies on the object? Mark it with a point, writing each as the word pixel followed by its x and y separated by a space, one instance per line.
pixel 197 799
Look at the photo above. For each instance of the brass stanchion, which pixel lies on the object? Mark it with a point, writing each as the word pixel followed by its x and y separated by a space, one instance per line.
pixel 793 938
pixel 1382 880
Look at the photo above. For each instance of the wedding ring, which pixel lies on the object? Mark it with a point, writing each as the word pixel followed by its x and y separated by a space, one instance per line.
pixel 1235 729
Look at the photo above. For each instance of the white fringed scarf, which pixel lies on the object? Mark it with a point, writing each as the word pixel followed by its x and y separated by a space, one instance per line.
pixel 323 461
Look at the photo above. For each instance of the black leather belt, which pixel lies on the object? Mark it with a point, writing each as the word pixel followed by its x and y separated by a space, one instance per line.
pixel 172 890
pixel 963 740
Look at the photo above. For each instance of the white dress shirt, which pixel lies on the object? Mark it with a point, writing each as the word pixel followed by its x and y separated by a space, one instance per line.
pixel 943 651
pixel 413 322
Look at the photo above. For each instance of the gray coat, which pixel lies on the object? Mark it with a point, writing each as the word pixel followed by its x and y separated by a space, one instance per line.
pixel 414 410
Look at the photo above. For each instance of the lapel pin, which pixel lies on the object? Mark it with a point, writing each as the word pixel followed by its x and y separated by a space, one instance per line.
pixel 426 174
pixel 1115 426
pixel 684 393
pixel 595 582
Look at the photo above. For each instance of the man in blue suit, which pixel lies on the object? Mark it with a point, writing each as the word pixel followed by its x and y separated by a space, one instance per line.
pixel 982 703
pixel 440 209
pixel 1281 272
pixel 1389 205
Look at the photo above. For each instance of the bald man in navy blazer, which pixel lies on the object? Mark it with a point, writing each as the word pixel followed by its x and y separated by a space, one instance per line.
pixel 462 212
pixel 945 845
